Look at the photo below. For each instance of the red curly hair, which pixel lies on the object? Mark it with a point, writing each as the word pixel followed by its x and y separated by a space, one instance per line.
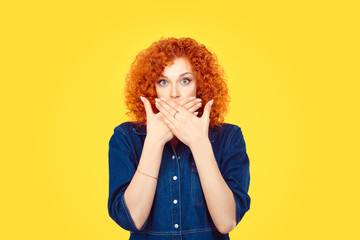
pixel 149 64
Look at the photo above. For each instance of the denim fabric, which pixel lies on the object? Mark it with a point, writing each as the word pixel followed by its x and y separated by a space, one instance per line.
pixel 178 179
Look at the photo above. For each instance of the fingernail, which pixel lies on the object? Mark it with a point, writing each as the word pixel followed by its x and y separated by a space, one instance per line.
pixel 157 100
pixel 211 103
pixel 141 98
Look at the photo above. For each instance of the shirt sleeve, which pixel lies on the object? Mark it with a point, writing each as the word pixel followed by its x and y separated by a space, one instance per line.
pixel 122 167
pixel 235 170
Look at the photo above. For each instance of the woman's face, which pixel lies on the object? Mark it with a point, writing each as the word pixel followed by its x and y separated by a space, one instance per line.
pixel 177 81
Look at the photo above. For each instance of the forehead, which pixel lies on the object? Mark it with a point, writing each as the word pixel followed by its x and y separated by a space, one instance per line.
pixel 180 65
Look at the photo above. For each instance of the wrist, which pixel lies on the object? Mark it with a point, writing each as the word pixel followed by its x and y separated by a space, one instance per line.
pixel 198 141
pixel 154 142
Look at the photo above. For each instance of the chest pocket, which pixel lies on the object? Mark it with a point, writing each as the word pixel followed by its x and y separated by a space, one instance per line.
pixel 197 195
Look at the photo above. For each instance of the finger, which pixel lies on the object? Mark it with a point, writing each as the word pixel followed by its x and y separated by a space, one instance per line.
pixel 207 109
pixel 169 124
pixel 164 111
pixel 186 101
pixel 168 104
pixel 165 106
pixel 191 103
pixel 195 107
pixel 147 105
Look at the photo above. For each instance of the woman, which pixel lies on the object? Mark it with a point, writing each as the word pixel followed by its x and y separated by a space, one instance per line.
pixel 178 171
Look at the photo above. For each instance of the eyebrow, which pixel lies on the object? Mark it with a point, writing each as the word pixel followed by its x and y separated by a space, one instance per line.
pixel 179 75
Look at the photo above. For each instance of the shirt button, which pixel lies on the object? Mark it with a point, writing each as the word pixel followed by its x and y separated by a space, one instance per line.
pixel 173 156
pixel 176 225
pixel 175 201
pixel 174 177
pixel 178 157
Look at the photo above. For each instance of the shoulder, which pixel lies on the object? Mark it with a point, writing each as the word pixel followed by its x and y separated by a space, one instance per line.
pixel 127 134
pixel 226 129
pixel 226 134
pixel 130 127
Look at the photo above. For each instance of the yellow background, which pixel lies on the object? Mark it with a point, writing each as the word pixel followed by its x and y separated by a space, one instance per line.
pixel 293 73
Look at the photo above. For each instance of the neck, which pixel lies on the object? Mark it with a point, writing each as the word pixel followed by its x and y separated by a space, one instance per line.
pixel 174 141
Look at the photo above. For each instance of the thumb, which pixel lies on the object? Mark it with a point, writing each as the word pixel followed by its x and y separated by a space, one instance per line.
pixel 147 105
pixel 207 110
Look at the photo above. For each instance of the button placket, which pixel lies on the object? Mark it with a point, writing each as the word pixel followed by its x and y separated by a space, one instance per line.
pixel 175 191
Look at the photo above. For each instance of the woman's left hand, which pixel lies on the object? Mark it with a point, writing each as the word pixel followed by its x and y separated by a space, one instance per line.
pixel 185 126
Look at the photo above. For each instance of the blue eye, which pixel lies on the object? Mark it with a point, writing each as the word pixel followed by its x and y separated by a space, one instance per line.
pixel 162 82
pixel 187 80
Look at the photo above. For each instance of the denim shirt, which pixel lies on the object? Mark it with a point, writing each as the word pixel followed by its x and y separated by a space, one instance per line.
pixel 179 208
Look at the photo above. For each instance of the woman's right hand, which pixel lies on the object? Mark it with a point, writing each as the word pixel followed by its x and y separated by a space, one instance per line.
pixel 155 126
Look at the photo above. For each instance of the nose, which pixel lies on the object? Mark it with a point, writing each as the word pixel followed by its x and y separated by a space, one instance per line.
pixel 175 94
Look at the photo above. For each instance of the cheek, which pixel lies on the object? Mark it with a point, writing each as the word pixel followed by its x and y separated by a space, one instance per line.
pixel 194 88
pixel 161 92
pixel 189 92
pixel 193 91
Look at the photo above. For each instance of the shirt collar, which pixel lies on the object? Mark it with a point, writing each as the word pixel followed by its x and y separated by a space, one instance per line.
pixel 141 130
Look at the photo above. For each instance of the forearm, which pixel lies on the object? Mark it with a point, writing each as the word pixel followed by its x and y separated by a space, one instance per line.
pixel 219 197
pixel 139 195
